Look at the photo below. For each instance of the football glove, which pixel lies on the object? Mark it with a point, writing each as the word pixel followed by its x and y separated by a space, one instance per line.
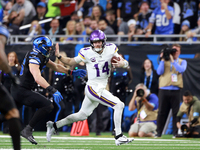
pixel 15 80
pixel 79 72
pixel 55 93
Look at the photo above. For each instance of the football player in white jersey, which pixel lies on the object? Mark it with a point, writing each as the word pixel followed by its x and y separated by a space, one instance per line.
pixel 97 58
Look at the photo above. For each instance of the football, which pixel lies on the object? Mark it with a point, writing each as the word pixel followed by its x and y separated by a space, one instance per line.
pixel 114 58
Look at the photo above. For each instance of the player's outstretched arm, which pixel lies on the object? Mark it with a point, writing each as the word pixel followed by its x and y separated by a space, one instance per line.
pixel 65 60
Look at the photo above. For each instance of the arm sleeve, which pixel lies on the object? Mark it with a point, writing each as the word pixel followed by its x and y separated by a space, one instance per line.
pixel 81 56
pixel 180 68
pixel 161 68
pixel 196 109
pixel 34 60
pixel 153 100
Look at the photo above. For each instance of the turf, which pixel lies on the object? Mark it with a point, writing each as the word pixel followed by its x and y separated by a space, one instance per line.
pixel 103 142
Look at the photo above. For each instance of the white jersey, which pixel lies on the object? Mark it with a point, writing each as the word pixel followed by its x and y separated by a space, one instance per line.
pixel 98 65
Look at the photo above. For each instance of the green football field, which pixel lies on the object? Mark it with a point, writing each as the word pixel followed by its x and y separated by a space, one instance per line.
pixel 104 142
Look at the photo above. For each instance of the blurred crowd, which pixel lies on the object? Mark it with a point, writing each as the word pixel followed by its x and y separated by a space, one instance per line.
pixel 114 17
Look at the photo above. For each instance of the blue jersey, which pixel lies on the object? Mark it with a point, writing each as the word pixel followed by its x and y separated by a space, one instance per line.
pixel 163 25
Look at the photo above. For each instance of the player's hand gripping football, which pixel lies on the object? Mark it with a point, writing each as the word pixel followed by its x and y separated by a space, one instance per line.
pixel 55 93
pixel 117 62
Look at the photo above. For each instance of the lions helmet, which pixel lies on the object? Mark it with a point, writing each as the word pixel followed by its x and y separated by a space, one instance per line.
pixel 97 35
pixel 43 44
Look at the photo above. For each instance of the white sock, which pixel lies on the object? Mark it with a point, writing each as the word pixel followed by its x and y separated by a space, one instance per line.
pixel 118 117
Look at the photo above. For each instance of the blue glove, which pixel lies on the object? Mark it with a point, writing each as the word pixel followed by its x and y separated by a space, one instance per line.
pixel 79 72
pixel 55 93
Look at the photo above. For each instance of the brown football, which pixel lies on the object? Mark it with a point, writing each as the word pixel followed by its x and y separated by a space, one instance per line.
pixel 113 59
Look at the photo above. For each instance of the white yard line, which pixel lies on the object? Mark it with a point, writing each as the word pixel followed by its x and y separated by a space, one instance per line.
pixel 94 138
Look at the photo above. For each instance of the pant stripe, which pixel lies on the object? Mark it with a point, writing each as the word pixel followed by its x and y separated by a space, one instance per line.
pixel 100 98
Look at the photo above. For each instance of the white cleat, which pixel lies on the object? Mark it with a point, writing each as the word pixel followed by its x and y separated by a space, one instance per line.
pixel 50 130
pixel 123 140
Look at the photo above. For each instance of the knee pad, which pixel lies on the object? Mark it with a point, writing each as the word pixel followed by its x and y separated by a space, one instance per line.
pixel 119 105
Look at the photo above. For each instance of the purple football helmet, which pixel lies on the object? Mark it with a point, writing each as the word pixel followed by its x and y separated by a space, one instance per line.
pixel 97 35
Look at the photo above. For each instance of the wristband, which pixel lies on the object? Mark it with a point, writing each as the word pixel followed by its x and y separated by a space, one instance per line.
pixel 125 64
pixel 70 72
pixel 59 57
pixel 119 18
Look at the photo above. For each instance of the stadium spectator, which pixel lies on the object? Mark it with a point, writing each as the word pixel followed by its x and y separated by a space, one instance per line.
pixel 126 10
pixel 6 11
pixel 111 20
pixel 52 10
pixel 192 33
pixel 15 66
pixel 87 21
pixel 97 14
pixel 162 16
pixel 80 28
pixel 103 26
pixel 8 108
pixel 34 30
pixel 146 104
pixel 41 12
pixel 85 6
pixel 70 30
pixel 55 30
pixel 185 27
pixel 95 91
pixel 93 26
pixel 143 19
pixel 149 76
pixel 154 4
pixel 14 21
pixel 132 28
pixel 67 7
pixel 189 11
pixel 170 85
pixel 29 10
pixel 191 107
pixel 176 17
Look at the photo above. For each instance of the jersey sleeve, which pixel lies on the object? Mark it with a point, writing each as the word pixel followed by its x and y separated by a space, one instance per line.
pixel 152 18
pixel 81 56
pixel 171 10
pixel 34 58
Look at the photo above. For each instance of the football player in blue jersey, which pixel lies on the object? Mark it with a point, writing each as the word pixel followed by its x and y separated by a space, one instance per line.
pixel 7 105
pixel 97 58
pixel 34 62
pixel 163 18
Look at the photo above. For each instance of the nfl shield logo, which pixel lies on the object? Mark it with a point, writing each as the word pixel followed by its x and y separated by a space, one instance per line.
pixel 93 59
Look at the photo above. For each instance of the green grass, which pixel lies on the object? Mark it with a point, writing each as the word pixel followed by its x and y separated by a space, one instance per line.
pixel 103 142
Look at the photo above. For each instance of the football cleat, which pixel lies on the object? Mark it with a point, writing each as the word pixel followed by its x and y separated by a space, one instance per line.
pixel 123 140
pixel 50 130
pixel 27 134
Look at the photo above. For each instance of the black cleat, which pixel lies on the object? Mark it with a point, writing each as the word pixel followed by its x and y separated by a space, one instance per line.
pixel 27 134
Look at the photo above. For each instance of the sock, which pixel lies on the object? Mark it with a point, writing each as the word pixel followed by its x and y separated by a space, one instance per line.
pixel 117 117
pixel 120 135
pixel 15 128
